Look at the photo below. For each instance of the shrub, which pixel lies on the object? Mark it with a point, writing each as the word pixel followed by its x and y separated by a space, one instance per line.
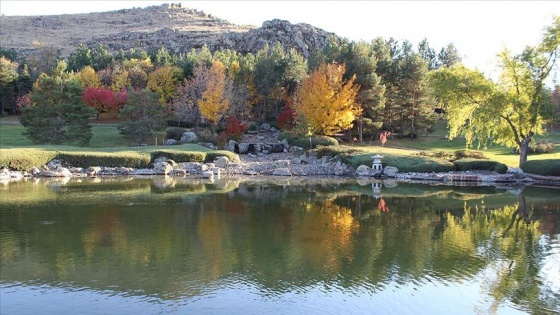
pixel 344 152
pixel 235 128
pixel 549 167
pixel 406 164
pixel 438 155
pixel 24 159
pixel 113 159
pixel 473 154
pixel 175 133
pixel 178 156
pixel 210 156
pixel 480 165
pixel 286 120
pixel 295 139
pixel 541 147
pixel 207 136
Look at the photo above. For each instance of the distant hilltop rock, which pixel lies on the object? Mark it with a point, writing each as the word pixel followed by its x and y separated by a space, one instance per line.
pixel 176 28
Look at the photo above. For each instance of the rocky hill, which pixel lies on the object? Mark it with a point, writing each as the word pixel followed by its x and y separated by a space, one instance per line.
pixel 176 28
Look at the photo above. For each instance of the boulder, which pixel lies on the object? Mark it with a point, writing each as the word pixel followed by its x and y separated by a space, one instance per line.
pixel 189 137
pixel 231 145
pixel 221 161
pixel 282 172
pixel 143 171
pixel 207 175
pixel 390 171
pixel 170 142
pixel 243 148
pixel 281 163
pixel 93 170
pixel 363 170
pixel 162 168
pixel 178 172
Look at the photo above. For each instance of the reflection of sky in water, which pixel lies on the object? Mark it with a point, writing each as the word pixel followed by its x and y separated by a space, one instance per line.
pixel 550 270
pixel 427 295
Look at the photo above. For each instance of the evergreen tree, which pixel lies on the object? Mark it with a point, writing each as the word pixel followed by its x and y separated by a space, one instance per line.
pixel 57 114
pixel 142 116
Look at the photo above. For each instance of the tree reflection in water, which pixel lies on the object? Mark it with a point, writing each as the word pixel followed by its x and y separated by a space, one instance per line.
pixel 187 237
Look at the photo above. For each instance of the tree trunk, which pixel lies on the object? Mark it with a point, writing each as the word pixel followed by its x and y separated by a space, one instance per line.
pixel 360 131
pixel 524 148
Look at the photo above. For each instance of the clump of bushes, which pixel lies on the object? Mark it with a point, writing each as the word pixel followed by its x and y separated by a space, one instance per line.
pixel 541 147
pixel 24 159
pixel 437 155
pixel 174 133
pixel 110 159
pixel 406 164
pixel 472 154
pixel 542 167
pixel 207 136
pixel 211 155
pixel 296 139
pixel 178 156
pixel 480 165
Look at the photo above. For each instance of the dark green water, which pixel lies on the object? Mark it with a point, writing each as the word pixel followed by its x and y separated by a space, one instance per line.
pixel 280 246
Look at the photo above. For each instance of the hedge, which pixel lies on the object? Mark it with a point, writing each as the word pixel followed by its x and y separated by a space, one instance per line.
pixel 550 167
pixel 480 165
pixel 406 164
pixel 23 159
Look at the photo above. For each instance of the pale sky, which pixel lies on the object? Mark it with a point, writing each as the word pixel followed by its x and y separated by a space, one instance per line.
pixel 479 29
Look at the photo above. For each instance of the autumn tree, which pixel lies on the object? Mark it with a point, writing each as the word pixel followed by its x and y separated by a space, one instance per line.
pixel 216 95
pixel 8 77
pixel 88 77
pixel 163 81
pixel 104 100
pixel 57 114
pixel 326 102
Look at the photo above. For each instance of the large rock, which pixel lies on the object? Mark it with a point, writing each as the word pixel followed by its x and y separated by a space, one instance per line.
pixel 58 172
pixel 221 161
pixel 390 171
pixel 282 172
pixel 189 137
pixel 243 148
pixel 162 168
pixel 281 163
pixel 363 170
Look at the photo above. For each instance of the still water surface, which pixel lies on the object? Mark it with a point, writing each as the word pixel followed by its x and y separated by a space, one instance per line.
pixel 281 246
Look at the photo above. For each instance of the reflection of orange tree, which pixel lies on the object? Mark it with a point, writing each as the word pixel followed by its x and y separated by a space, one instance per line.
pixel 211 230
pixel 105 232
pixel 326 235
pixel 382 206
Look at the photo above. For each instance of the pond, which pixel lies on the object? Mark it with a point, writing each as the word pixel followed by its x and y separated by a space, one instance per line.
pixel 160 245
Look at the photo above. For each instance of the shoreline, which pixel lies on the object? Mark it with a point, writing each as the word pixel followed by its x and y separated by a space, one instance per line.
pixel 279 167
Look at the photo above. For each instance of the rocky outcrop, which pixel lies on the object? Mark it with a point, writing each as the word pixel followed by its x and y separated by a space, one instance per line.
pixel 177 29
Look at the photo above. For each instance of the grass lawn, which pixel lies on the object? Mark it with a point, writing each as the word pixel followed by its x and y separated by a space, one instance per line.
pixel 106 138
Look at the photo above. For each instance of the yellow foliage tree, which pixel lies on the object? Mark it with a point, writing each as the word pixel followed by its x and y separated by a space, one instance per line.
pixel 88 78
pixel 325 102
pixel 215 97
pixel 164 81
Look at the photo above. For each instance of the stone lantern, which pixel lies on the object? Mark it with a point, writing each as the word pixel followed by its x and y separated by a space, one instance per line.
pixel 377 166
pixel 376 189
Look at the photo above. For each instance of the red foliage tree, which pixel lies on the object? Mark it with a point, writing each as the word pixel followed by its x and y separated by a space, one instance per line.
pixel 286 120
pixel 235 128
pixel 383 137
pixel 104 100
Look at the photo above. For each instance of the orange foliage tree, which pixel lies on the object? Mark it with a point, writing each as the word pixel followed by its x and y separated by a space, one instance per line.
pixel 215 97
pixel 325 102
